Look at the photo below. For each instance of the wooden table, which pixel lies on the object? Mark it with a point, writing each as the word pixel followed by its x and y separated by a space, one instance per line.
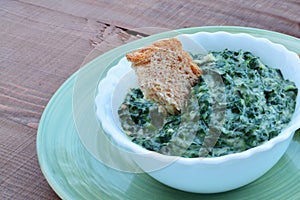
pixel 43 42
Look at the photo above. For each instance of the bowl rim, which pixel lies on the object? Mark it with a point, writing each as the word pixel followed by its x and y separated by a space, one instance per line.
pixel 283 135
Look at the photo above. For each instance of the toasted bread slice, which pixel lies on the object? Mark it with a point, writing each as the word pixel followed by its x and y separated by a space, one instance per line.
pixel 165 73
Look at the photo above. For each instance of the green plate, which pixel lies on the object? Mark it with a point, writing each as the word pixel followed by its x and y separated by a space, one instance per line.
pixel 75 172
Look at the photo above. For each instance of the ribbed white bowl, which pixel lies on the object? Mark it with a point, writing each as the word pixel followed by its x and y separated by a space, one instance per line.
pixel 203 175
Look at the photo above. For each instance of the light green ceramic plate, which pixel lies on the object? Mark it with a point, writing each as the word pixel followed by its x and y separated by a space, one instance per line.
pixel 74 172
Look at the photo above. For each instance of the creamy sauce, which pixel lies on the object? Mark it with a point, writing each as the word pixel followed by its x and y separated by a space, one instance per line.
pixel 238 103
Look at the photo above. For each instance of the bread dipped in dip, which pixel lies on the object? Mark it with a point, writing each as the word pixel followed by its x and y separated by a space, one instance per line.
pixel 165 73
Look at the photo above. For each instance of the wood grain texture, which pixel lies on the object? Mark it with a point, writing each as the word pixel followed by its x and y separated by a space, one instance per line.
pixel 43 42
pixel 20 176
pixel 281 16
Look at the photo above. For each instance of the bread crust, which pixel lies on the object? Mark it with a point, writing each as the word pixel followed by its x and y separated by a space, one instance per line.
pixel 165 73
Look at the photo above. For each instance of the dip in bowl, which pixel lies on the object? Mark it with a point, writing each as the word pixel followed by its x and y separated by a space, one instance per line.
pixel 203 174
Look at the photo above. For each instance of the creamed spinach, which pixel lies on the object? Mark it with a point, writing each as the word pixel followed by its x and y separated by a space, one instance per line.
pixel 237 104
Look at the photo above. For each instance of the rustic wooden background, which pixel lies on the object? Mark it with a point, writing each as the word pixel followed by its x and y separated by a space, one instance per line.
pixel 43 42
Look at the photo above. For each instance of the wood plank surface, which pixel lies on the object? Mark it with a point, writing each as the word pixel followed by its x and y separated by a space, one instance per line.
pixel 282 16
pixel 43 42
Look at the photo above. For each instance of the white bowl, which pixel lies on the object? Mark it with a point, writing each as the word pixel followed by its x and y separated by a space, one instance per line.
pixel 202 175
